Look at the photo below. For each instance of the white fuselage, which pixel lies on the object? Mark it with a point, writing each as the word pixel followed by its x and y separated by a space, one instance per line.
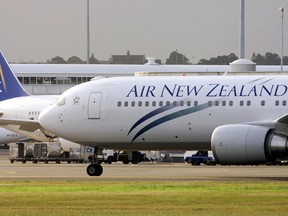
pixel 25 108
pixel 163 112
pixel 7 136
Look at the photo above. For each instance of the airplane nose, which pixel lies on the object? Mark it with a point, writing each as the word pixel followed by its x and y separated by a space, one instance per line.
pixel 47 119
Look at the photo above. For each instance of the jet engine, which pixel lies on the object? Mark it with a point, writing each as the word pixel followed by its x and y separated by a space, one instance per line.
pixel 247 144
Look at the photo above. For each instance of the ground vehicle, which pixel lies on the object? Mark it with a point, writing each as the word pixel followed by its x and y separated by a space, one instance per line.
pixel 48 152
pixel 200 157
pixel 128 156
pixel 109 156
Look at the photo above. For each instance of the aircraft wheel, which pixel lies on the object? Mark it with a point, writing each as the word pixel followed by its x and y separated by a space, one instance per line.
pixel 94 170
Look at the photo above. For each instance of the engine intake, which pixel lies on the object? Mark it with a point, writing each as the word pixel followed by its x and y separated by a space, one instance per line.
pixel 247 144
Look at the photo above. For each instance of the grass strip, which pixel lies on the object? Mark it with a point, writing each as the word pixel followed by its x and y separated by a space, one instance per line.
pixel 142 198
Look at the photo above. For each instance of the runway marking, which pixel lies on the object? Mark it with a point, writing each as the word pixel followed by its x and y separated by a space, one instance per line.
pixel 9 172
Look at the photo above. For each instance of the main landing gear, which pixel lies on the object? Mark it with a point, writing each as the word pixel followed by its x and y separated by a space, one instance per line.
pixel 94 169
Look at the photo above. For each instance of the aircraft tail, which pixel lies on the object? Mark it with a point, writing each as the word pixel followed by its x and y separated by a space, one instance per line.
pixel 10 86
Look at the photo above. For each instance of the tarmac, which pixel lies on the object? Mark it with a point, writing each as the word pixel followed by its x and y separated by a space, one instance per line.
pixel 148 171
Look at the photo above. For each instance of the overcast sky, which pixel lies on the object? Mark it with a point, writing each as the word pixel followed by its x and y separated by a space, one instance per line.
pixel 42 29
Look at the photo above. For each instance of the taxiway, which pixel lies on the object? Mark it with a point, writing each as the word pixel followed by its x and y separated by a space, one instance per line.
pixel 140 172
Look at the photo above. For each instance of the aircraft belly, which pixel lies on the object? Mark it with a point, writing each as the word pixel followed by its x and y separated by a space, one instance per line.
pixel 119 133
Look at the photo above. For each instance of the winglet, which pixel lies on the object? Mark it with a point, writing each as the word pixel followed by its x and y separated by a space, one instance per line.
pixel 10 86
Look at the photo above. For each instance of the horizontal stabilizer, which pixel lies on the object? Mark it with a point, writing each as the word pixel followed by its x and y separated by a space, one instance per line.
pixel 29 128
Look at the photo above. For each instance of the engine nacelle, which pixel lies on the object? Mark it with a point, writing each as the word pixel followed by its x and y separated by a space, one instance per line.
pixel 247 144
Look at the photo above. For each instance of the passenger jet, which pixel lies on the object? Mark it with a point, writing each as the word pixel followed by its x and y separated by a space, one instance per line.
pixel 19 111
pixel 243 119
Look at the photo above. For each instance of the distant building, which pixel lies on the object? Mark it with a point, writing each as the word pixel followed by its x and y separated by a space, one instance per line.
pixel 155 61
pixel 128 59
pixel 93 60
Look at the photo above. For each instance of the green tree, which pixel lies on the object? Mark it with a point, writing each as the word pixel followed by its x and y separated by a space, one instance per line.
pixel 285 60
pixel 203 62
pixel 74 60
pixel 272 59
pixel 56 60
pixel 258 59
pixel 268 59
pixel 219 60
pixel 177 58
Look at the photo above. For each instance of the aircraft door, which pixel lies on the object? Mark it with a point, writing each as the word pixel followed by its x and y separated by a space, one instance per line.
pixel 19 112
pixel 94 105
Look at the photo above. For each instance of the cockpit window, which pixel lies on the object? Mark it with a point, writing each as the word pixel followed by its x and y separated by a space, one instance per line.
pixel 61 101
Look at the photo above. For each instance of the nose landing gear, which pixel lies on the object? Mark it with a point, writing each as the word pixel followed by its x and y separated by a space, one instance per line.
pixel 94 169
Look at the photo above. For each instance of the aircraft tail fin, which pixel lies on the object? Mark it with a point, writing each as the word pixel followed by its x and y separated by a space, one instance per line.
pixel 10 86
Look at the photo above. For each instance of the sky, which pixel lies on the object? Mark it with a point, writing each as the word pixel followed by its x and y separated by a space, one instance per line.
pixel 38 30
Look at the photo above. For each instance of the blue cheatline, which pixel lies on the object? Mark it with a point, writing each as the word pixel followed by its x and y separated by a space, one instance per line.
pixel 171 117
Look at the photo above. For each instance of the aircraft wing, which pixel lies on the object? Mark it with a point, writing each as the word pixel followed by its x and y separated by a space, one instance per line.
pixel 29 128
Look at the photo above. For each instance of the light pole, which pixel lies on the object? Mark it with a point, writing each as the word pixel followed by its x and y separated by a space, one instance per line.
pixel 88 33
pixel 242 30
pixel 282 39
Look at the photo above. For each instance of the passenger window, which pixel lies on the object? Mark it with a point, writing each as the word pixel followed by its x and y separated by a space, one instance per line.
pixel 241 103
pixel 284 103
pixel 140 103
pixel 188 103
pixel 181 103
pixel 153 103
pixel 277 103
pixel 195 103
pixel 216 103
pixel 262 103
pixel 126 103
pixel 248 103
pixel 160 103
pixel 209 103
pixel 147 103
pixel 174 103
pixel 119 104
pixel 223 103
pixel 230 103
pixel 133 103
pixel 167 103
